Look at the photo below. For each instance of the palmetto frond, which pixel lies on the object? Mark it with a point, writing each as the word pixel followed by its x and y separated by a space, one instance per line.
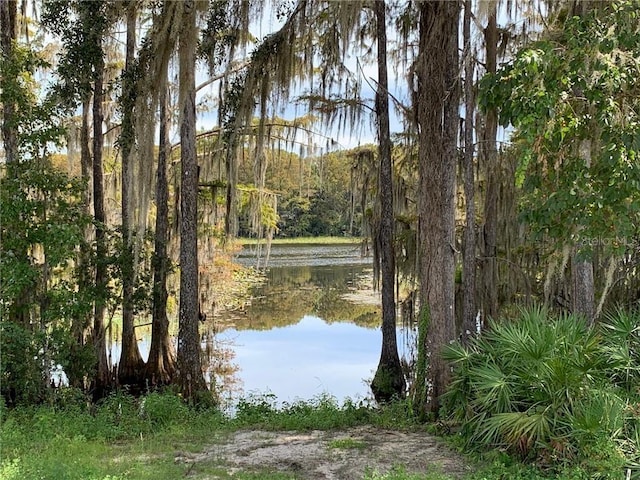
pixel 540 385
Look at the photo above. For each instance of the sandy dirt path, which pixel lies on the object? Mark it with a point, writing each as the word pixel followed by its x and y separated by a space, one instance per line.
pixel 333 455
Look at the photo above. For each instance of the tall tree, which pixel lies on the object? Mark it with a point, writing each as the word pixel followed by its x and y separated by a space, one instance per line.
pixel 576 135
pixel 161 365
pixel 152 92
pixel 8 35
pixel 436 107
pixel 489 157
pixel 102 379
pixel 83 25
pixel 191 377
pixel 469 241
pixel 388 381
pixel 131 365
pixel 10 75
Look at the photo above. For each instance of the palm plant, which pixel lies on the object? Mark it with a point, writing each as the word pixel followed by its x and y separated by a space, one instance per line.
pixel 536 386
pixel 621 339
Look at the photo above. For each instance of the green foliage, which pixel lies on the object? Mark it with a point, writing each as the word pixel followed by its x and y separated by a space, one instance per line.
pixel 38 123
pixel 573 99
pixel 137 438
pixel 20 370
pixel 543 388
pixel 419 389
pixel 81 27
pixel 119 259
pixel 499 466
pixel 39 237
pixel 42 222
pixel 163 409
pixel 314 194
pixel 322 412
pixel 621 338
pixel 295 217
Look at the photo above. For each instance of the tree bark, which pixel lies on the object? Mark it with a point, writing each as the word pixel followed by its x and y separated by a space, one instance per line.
pixel 81 322
pixel 102 381
pixel 388 381
pixel 583 291
pixel 131 365
pixel 161 364
pixel 489 155
pixel 436 103
pixel 191 377
pixel 469 243
pixel 8 35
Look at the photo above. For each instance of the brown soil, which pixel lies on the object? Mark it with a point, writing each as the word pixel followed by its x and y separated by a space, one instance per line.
pixel 336 455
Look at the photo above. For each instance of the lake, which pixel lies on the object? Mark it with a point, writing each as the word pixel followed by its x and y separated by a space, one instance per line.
pixel 312 328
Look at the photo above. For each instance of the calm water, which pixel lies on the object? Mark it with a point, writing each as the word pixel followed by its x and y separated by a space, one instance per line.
pixel 307 359
pixel 303 255
pixel 312 329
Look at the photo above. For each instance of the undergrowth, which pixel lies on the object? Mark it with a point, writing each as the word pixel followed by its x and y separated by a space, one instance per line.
pixel 553 392
pixel 536 398
pixel 123 437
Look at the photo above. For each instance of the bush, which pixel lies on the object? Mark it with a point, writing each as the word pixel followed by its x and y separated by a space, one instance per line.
pixel 161 409
pixel 540 387
pixel 322 412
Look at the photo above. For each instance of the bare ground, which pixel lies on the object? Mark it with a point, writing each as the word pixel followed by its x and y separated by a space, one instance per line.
pixel 333 455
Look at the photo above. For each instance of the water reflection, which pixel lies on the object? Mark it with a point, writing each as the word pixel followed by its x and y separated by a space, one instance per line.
pixel 307 359
pixel 292 292
pixel 312 328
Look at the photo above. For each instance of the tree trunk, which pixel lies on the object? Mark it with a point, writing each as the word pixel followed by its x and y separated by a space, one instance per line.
pixel 191 377
pixel 102 381
pixel 436 102
pixel 19 309
pixel 161 365
pixel 131 365
pixel 469 243
pixel 81 322
pixel 8 34
pixel 489 155
pixel 583 291
pixel 231 165
pixel 388 381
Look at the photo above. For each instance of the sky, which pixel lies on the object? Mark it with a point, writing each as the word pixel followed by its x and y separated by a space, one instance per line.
pixel 360 134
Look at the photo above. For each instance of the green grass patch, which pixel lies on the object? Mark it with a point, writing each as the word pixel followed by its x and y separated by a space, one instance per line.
pixel 399 473
pixel 347 444
pixel 123 438
pixel 320 413
pixel 157 437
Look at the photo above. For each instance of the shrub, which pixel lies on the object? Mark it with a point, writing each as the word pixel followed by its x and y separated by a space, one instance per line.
pixel 162 409
pixel 539 387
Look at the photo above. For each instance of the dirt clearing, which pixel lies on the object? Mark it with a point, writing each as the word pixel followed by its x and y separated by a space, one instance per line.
pixel 336 455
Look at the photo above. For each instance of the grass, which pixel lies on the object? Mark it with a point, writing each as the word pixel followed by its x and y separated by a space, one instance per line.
pixel 157 438
pixel 127 439
pixel 347 444
pixel 399 473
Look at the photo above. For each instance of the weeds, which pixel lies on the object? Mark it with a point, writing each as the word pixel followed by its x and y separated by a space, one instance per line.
pixel 554 398
pixel 399 473
pixel 347 444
